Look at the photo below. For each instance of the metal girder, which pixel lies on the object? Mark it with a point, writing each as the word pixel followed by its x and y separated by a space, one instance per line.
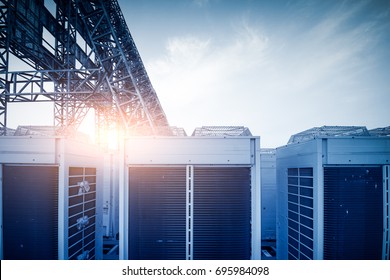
pixel 92 63
pixel 4 57
pixel 126 77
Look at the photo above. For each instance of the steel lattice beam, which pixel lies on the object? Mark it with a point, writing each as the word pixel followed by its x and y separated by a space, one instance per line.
pixel 93 63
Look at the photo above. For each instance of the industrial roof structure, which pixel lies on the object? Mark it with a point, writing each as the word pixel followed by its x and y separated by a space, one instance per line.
pixel 380 132
pixel 338 131
pixel 91 63
pixel 222 131
pixel 333 131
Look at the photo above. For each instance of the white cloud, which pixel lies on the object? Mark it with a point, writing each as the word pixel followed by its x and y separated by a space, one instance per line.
pixel 199 81
pixel 189 49
pixel 268 82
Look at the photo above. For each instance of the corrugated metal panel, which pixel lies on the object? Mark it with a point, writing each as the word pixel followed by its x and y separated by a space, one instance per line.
pixel 353 213
pixel 222 213
pixel 30 212
pixel 157 213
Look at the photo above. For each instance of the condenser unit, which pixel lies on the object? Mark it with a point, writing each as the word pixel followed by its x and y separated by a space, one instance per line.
pixel 268 194
pixel 190 198
pixel 333 198
pixel 50 199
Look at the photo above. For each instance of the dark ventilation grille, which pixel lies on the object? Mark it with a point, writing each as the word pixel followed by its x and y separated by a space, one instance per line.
pixel 300 213
pixel 157 213
pixel 82 213
pixel 222 213
pixel 30 207
pixel 353 213
pixel 386 212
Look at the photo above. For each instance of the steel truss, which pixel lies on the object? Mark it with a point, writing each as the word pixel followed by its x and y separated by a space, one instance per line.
pixel 90 63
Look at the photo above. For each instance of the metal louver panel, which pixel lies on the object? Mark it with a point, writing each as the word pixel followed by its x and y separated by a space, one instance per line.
pixel 300 213
pixel 353 213
pixel 222 213
pixel 81 213
pixel 30 212
pixel 386 213
pixel 157 213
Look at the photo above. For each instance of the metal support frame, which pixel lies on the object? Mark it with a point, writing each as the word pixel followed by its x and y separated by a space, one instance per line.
pixel 4 57
pixel 93 63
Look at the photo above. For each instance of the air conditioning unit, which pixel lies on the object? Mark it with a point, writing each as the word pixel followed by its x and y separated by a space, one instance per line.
pixel 51 197
pixel 333 198
pixel 190 198
pixel 268 195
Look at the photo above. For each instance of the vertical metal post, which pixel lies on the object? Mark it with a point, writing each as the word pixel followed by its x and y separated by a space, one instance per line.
pixel 386 213
pixel 189 212
pixel 62 201
pixel 5 33
pixel 256 199
pixel 123 203
pixel 318 199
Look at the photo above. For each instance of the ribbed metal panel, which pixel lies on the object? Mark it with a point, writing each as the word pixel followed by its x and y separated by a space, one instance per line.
pixel 353 213
pixel 157 213
pixel 30 212
pixel 386 213
pixel 222 213
pixel 300 213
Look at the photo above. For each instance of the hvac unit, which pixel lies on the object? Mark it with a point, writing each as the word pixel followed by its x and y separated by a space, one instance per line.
pixel 268 195
pixel 333 198
pixel 50 197
pixel 190 198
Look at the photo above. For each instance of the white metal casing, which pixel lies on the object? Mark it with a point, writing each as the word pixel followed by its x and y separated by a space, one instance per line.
pixel 317 153
pixel 63 153
pixel 190 151
pixel 268 194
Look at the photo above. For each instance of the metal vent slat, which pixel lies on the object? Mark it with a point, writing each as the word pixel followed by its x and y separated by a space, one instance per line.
pixel 300 213
pixel 222 213
pixel 353 213
pixel 30 212
pixel 157 213
pixel 82 206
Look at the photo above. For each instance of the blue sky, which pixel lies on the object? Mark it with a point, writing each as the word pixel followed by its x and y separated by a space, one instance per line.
pixel 278 67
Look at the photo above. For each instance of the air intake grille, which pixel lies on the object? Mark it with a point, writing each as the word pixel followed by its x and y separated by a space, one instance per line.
pixel 82 213
pixel 386 212
pixel 222 213
pixel 353 213
pixel 300 213
pixel 216 225
pixel 30 207
pixel 157 213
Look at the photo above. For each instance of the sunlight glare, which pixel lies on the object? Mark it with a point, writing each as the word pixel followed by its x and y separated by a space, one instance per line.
pixel 112 138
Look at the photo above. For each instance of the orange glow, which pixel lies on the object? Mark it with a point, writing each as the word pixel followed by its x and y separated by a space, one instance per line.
pixel 107 136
